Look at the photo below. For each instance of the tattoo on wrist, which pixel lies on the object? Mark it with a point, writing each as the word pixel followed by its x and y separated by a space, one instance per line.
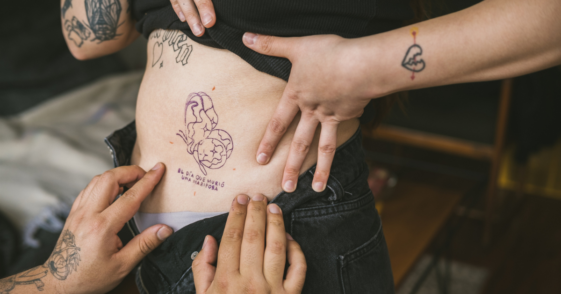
pixel 209 146
pixel 413 60
pixel 61 264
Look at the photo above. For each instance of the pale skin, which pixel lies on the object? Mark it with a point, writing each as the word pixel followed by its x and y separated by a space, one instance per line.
pixel 333 78
pixel 90 257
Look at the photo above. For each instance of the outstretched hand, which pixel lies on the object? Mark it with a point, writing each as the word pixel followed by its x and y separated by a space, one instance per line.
pixel 327 85
pixel 252 254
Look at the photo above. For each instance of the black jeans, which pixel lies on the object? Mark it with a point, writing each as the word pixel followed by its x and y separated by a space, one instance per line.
pixel 339 230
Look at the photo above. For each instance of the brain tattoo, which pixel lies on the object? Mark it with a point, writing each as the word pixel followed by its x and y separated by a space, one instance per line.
pixel 210 147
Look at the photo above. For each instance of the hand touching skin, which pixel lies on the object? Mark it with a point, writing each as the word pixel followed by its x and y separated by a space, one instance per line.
pixel 245 264
pixel 326 86
pixel 89 256
pixel 199 14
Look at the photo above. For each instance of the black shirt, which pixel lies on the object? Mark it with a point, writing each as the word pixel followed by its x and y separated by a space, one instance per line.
pixel 349 19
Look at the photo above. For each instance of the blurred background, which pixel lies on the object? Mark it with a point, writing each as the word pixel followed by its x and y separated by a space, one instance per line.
pixel 467 177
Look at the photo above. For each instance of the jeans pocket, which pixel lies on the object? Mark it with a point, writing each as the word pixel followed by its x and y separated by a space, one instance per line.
pixel 367 269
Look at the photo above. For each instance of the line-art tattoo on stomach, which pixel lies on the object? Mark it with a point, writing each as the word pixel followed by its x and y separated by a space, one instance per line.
pixel 103 17
pixel 412 60
pixel 210 147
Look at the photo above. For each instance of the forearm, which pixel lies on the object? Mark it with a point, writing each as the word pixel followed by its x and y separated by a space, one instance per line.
pixel 35 280
pixel 93 28
pixel 491 40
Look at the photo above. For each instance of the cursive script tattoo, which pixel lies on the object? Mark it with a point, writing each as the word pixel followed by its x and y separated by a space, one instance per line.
pixel 210 147
pixel 103 18
pixel 412 60
pixel 176 40
pixel 62 262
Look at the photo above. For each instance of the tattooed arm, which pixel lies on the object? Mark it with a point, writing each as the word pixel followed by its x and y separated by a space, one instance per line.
pixel 89 256
pixel 93 28
pixel 332 78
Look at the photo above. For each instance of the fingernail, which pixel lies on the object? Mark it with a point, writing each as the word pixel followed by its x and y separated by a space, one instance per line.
pixel 204 243
pixel 262 158
pixel 207 18
pixel 164 232
pixel 157 166
pixel 289 237
pixel 289 186
pixel 197 29
pixel 273 208
pixel 242 199
pixel 318 186
pixel 249 38
pixel 181 16
pixel 257 197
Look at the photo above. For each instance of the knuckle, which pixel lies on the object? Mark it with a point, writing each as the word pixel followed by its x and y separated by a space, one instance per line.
pixel 256 206
pixel 327 149
pixel 277 222
pixel 233 234
pixel 277 126
pixel 301 147
pixel 108 176
pixel 321 174
pixel 252 236
pixel 276 247
pixel 98 225
pixel 291 172
pixel 202 3
pixel 265 43
pixel 222 284
pixel 146 246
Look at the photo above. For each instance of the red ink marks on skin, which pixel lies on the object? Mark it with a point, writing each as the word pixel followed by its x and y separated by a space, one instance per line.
pixel 170 142
pixel 414 37
pixel 195 194
pixel 412 75
pixel 234 169
pixel 213 88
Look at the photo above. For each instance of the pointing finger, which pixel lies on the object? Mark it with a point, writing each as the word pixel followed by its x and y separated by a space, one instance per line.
pixel 283 116
pixel 326 152
pixel 128 204
pixel 298 150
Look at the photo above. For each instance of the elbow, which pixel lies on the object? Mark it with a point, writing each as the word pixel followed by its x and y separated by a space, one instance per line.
pixel 80 54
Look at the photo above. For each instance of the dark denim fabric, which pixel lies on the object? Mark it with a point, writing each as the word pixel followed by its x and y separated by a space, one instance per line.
pixel 339 230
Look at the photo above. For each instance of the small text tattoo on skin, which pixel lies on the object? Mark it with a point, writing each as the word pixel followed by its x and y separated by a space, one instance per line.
pixel 413 60
pixel 209 146
pixel 63 261
pixel 203 181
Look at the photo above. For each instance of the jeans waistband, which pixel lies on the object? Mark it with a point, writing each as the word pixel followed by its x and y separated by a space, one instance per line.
pixel 167 268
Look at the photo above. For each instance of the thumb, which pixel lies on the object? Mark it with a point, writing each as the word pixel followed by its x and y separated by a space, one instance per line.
pixel 203 268
pixel 144 243
pixel 269 45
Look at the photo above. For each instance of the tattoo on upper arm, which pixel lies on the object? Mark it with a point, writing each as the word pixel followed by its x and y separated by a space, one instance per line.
pixel 77 32
pixel 102 21
pixel 413 60
pixel 209 146
pixel 103 17
pixel 63 262
pixel 176 40
pixel 67 4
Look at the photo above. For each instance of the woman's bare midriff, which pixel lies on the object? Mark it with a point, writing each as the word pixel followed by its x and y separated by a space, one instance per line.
pixel 210 152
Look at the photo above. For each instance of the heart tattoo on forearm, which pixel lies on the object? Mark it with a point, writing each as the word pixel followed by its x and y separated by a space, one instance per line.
pixel 210 147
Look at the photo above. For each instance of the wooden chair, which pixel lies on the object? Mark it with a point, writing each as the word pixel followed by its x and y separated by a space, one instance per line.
pixel 490 151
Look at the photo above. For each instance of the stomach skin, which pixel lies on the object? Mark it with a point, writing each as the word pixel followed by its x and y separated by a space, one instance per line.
pixel 202 111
